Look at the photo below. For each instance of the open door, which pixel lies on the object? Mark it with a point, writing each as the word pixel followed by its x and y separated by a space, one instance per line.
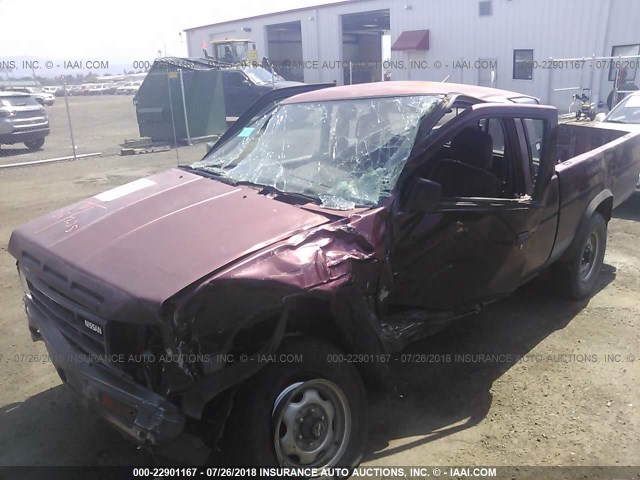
pixel 473 248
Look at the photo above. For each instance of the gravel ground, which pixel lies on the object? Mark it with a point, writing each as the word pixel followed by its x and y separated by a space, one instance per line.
pixel 535 388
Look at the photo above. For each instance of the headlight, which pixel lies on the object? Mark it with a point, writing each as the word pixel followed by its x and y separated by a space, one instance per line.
pixel 25 284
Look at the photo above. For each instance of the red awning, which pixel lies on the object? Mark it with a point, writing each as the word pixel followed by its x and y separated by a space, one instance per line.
pixel 412 40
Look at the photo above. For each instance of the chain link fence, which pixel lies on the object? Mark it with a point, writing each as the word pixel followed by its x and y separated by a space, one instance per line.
pixel 590 83
pixel 177 108
pixel 169 113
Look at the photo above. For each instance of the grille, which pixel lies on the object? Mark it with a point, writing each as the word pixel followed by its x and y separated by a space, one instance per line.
pixel 70 318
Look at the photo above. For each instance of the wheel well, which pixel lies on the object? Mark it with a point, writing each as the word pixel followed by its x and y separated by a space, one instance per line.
pixel 313 317
pixel 605 208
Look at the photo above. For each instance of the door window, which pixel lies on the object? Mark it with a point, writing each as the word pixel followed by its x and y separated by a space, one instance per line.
pixel 477 162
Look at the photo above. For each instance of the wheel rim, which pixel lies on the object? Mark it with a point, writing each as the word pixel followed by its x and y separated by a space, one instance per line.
pixel 312 424
pixel 589 256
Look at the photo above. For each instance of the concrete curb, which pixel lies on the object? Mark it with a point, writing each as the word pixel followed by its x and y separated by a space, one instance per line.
pixel 50 160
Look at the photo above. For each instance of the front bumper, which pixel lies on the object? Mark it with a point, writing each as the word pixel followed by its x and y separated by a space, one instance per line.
pixel 144 416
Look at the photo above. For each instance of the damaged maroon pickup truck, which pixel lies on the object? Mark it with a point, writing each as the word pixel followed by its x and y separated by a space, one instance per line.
pixel 226 299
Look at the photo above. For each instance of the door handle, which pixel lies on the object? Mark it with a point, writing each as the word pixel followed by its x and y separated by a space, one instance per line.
pixel 522 239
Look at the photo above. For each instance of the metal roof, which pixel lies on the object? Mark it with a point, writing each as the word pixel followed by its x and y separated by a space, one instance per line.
pixel 293 10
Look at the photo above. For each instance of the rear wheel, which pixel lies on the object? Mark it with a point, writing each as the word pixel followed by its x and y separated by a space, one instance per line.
pixel 575 279
pixel 308 413
pixel 35 144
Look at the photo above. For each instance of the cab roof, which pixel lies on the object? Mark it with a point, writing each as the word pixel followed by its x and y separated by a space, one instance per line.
pixel 407 88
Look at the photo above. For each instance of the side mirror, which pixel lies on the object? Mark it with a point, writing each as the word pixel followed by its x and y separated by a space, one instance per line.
pixel 600 117
pixel 422 196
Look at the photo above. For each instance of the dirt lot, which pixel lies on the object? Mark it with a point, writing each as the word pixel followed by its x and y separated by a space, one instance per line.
pixel 99 123
pixel 562 404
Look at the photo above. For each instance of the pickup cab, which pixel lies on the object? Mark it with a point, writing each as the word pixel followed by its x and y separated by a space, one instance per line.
pixel 250 297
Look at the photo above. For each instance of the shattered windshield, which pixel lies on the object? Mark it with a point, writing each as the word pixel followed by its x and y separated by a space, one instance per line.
pixel 342 153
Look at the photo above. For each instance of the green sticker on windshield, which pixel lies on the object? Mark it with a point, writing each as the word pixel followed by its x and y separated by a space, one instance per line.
pixel 246 131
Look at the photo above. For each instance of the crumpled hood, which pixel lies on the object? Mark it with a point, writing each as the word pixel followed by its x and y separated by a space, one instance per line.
pixel 155 236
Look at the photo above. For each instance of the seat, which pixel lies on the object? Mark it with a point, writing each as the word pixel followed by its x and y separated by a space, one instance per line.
pixel 467 173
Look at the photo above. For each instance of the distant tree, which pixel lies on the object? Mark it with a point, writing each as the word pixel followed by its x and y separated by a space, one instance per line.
pixel 46 80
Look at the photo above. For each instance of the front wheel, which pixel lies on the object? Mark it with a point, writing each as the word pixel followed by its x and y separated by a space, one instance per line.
pixel 309 412
pixel 576 278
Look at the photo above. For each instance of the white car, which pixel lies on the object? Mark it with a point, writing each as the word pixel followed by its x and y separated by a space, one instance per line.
pixel 626 112
pixel 98 89
pixel 129 88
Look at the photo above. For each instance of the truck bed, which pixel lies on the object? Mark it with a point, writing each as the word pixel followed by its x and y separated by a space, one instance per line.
pixel 592 159
pixel 574 139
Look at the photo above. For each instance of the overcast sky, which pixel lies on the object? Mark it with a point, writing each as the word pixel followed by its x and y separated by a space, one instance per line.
pixel 116 30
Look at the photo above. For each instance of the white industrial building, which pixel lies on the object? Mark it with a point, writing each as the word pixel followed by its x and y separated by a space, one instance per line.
pixel 503 43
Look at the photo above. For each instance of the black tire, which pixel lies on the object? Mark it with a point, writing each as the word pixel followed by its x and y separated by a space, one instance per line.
pixel 264 401
pixel 34 145
pixel 576 278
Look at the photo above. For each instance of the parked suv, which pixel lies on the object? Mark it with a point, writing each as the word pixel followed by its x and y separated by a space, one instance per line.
pixel 22 120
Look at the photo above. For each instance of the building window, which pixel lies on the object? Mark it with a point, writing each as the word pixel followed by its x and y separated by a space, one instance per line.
pixel 523 64
pixel 485 8
pixel 627 67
